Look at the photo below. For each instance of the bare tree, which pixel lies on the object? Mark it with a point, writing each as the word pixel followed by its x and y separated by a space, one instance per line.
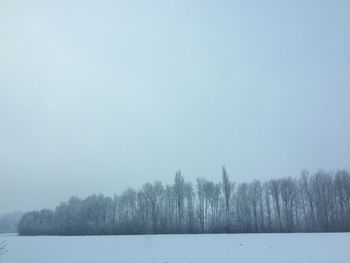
pixel 307 197
pixel 200 193
pixel 275 193
pixel 179 191
pixel 190 197
pixel 268 206
pixel 288 196
pixel 244 211
pixel 227 190
pixel 154 194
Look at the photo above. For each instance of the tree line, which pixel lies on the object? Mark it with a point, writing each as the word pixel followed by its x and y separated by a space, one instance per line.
pixel 9 222
pixel 318 202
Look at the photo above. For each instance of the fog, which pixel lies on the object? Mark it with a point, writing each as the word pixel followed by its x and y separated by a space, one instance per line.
pixel 97 96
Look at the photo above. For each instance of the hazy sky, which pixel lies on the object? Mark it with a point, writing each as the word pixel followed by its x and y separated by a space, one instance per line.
pixel 96 96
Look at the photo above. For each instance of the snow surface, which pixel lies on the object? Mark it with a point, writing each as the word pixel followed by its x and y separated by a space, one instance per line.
pixel 301 248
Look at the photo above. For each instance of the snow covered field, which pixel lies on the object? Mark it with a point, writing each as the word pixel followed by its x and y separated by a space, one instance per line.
pixel 301 248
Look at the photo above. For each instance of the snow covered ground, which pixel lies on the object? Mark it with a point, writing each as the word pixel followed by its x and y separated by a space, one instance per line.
pixel 301 248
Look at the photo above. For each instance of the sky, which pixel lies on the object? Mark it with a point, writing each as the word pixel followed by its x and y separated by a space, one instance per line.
pixel 98 96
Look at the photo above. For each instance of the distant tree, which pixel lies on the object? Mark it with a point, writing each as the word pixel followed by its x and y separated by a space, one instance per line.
pixel 308 201
pixel 255 198
pixel 179 191
pixel 227 190
pixel 9 222
pixel 200 193
pixel 275 186
pixel 267 198
pixel 29 224
pixel 190 199
pixel 154 194
pixel 243 208
pixel 289 204
pixel 170 209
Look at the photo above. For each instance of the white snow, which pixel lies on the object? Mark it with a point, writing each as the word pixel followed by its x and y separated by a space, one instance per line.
pixel 301 248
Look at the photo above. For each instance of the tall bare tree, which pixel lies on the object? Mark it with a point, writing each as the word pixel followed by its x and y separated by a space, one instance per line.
pixel 227 190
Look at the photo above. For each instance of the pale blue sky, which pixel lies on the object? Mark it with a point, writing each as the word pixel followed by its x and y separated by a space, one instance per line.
pixel 96 96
